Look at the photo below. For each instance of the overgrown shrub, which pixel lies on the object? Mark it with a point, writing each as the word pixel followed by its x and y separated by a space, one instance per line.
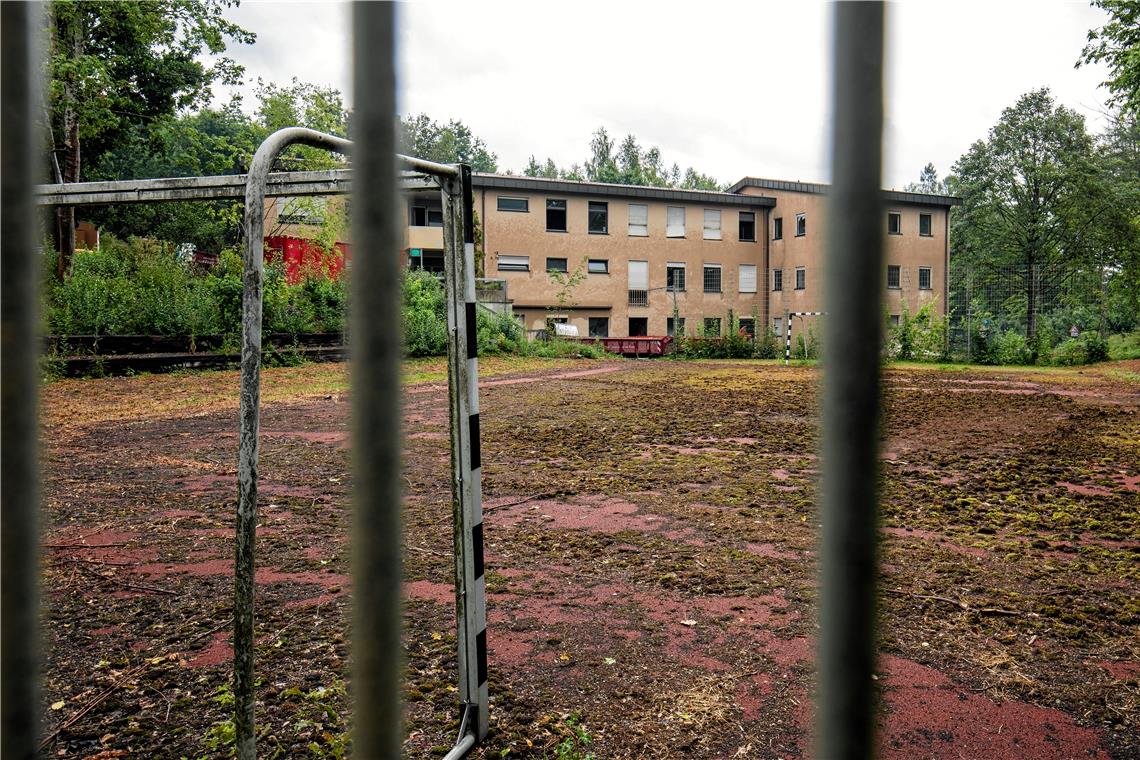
pixel 1011 347
pixel 767 346
pixel 918 337
pixel 424 315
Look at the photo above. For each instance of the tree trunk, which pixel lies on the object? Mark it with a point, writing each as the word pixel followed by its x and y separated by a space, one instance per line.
pixel 71 165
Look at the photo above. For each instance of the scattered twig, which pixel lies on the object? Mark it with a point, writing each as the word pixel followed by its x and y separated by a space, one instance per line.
pixel 80 546
pixel 425 550
pixel 125 584
pixel 958 603
pixel 92 704
pixel 536 497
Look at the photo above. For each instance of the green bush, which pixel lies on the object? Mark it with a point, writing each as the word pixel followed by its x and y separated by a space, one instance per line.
pixel 1071 353
pixel 564 349
pixel 1124 346
pixel 767 346
pixel 424 314
pixel 1012 348
pixel 1096 347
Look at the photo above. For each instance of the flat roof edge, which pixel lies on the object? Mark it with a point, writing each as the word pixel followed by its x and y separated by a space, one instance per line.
pixel 816 188
pixel 541 184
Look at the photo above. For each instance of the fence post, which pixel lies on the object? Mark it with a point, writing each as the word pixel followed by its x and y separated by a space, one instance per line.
pixel 376 346
pixel 463 389
pixel 249 419
pixel 853 294
pixel 19 429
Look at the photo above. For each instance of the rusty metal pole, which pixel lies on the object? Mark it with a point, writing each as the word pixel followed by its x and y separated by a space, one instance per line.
pixel 249 418
pixel 853 292
pixel 376 347
pixel 20 150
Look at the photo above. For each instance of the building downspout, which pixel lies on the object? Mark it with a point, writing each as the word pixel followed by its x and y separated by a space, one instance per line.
pixel 767 300
pixel 946 279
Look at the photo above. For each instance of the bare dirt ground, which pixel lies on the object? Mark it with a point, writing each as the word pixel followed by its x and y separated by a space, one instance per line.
pixel 650 530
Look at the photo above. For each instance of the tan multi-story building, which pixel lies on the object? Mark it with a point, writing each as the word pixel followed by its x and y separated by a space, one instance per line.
pixel 917 248
pixel 649 257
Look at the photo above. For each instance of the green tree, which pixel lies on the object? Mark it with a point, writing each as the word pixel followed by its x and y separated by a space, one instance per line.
pixel 1117 44
pixel 601 165
pixel 928 182
pixel 448 143
pixel 1025 191
pixel 114 66
pixel 694 180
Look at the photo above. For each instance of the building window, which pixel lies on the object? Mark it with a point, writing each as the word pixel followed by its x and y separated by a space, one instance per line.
pixel 675 222
pixel 925 225
pixel 514 263
pixel 778 228
pixel 777 279
pixel 598 266
pixel 712 224
pixel 675 277
pixel 924 278
pixel 747 231
pixel 675 329
pixel 894 320
pixel 599 327
pixel 801 278
pixel 894 276
pixel 712 326
pixel 894 223
pixel 422 216
pixel 638 220
pixel 555 215
pixel 426 261
pixel 712 278
pixel 778 327
pixel 638 326
pixel 747 276
pixel 639 283
pixel 748 327
pixel 801 225
pixel 513 204
pixel 599 218
pixel 555 265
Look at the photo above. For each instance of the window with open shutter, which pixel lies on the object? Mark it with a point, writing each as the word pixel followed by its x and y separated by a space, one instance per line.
pixel 675 222
pixel 638 220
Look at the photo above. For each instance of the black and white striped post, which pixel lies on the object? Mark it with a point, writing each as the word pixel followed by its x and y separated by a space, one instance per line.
pixel 463 387
pixel 788 330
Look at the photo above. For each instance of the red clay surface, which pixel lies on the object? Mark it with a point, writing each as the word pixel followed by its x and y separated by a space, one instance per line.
pixel 650 551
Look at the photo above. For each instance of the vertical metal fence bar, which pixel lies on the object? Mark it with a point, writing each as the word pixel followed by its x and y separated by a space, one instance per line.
pixel 854 266
pixel 463 385
pixel 376 348
pixel 19 431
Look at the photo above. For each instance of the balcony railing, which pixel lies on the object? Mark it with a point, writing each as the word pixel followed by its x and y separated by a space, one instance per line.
pixel 639 298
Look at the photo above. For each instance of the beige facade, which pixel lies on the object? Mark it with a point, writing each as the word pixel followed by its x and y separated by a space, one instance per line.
pixel 632 256
pixel 626 279
pixel 917 248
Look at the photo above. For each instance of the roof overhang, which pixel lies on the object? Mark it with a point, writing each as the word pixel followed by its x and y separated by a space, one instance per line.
pixel 570 187
pixel 813 188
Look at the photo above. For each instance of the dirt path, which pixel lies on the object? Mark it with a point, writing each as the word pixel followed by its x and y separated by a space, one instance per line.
pixel 654 593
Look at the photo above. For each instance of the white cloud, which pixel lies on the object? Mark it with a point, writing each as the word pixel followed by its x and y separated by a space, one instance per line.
pixel 731 89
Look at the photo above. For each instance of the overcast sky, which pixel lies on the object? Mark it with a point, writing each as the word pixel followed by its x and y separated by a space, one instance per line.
pixel 731 88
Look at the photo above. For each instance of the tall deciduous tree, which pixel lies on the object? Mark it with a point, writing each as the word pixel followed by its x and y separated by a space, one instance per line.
pixel 928 182
pixel 1117 44
pixel 116 65
pixel 1025 191
pixel 449 143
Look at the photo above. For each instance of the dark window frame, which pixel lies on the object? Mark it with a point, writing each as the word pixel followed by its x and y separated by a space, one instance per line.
pixel 777 280
pixel 565 264
pixel 740 222
pixel 778 228
pixel 500 267
pixel 639 320
pixel 670 278
pixel 896 270
pixel 595 207
pixel 801 225
pixel 592 332
pixel 705 270
pixel 929 219
pixel 590 266
pixel 565 214
pixel 801 278
pixel 929 272
pixel 671 327
pixel 709 332
pixel 499 204
pixel 893 216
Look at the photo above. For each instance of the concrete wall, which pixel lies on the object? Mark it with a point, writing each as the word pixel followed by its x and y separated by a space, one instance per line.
pixel 606 295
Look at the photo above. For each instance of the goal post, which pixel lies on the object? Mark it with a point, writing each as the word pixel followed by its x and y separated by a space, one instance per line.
pixel 788 315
